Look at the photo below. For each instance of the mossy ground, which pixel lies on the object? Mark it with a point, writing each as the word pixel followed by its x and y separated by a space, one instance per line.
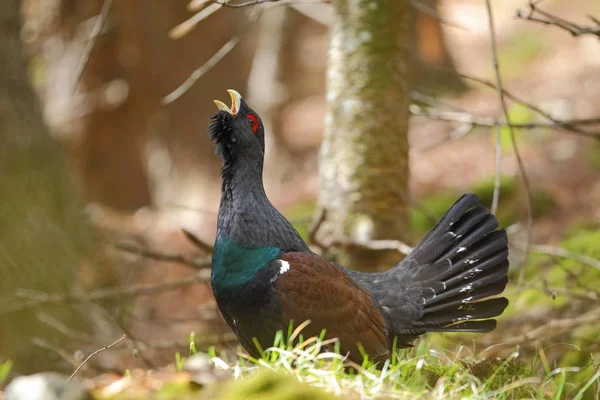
pixel 303 372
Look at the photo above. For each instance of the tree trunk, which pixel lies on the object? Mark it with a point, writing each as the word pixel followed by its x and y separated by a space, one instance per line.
pixel 43 236
pixel 364 156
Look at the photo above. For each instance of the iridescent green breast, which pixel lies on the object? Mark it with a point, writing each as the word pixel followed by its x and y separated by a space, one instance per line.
pixel 234 265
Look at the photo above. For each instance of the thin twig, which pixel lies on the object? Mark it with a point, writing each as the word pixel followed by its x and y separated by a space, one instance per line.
pixel 279 2
pixel 62 353
pixel 202 263
pixel 521 165
pixel 458 133
pixel 69 332
pixel 89 46
pixel 186 26
pixel 396 245
pixel 550 330
pixel 320 217
pixel 570 125
pixel 108 346
pixel 207 66
pixel 197 241
pixel 502 110
pixel 200 72
pixel 549 19
pixel 564 253
pixel 485 121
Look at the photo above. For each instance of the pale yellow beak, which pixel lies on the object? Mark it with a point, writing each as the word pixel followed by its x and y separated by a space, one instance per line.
pixel 236 103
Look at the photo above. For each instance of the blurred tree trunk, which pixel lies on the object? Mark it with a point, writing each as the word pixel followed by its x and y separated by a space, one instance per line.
pixel 43 236
pixel 364 156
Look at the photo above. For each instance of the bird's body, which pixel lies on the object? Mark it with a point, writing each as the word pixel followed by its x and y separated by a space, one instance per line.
pixel 264 275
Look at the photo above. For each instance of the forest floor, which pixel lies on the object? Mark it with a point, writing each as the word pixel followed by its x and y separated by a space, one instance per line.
pixel 547 343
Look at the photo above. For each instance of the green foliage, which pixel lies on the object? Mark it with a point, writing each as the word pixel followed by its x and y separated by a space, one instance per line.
pixel 5 368
pixel 179 362
pixel 193 350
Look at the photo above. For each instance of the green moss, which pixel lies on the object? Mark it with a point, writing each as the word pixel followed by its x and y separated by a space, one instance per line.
pixel 177 391
pixel 429 373
pixel 497 373
pixel 269 385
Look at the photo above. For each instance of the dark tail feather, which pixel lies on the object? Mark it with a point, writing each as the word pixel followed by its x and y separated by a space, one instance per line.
pixel 461 262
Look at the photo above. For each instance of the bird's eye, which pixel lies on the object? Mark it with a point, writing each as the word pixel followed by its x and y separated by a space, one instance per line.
pixel 253 122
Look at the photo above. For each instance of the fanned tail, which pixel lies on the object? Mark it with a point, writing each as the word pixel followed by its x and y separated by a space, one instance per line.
pixel 457 266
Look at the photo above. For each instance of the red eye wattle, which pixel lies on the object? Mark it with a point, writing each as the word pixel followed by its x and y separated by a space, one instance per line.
pixel 253 122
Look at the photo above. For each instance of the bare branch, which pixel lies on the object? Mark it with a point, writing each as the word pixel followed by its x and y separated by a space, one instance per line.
pixel 521 165
pixel 207 66
pixel 186 26
pixel 569 125
pixel 200 72
pixel 564 253
pixel 458 133
pixel 177 258
pixel 59 326
pixel 320 217
pixel 32 298
pixel 108 346
pixel 485 121
pixel 279 2
pixel 197 241
pixel 535 14
pixel 396 245
pixel 87 51
pixel 550 330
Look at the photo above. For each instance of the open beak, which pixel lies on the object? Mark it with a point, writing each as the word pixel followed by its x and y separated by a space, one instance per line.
pixel 236 102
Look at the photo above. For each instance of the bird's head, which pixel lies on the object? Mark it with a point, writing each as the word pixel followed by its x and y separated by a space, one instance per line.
pixel 237 131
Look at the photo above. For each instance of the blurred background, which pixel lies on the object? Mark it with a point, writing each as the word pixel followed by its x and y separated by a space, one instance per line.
pixel 92 231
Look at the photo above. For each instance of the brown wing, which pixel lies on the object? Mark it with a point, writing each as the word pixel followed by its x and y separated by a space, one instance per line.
pixel 315 289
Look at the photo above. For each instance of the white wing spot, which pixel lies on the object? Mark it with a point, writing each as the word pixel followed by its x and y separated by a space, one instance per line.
pixel 461 249
pixel 285 267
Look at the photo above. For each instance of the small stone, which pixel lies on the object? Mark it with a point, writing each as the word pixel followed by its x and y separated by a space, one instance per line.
pixel 202 371
pixel 45 386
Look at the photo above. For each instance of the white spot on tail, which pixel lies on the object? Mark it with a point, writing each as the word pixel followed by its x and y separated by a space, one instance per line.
pixel 466 288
